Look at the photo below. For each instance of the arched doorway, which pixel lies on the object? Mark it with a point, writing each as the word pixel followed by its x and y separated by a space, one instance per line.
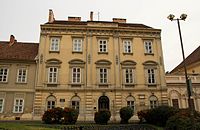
pixel 103 103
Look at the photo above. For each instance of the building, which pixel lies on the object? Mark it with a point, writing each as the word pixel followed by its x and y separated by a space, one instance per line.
pixel 176 83
pixel 17 79
pixel 93 65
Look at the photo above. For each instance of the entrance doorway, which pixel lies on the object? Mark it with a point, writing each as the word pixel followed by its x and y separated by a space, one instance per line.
pixel 103 103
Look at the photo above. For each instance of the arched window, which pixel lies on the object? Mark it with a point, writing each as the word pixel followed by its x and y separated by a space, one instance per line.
pixel 131 102
pixel 51 102
pixel 153 101
pixel 75 103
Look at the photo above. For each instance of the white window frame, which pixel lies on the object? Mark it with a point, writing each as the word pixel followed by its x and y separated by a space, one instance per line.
pixel 76 75
pixel 75 105
pixel 77 44
pixel 18 105
pixel 3 76
pixel 151 76
pixel 1 105
pixel 22 78
pixel 53 76
pixel 103 75
pixel 148 45
pixel 129 76
pixel 55 44
pixel 127 46
pixel 51 104
pixel 153 103
pixel 103 45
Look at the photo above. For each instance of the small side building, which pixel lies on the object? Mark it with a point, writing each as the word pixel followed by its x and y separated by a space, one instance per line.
pixel 176 83
pixel 17 79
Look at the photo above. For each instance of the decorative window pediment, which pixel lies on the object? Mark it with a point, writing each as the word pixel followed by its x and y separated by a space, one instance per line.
pixel 128 63
pixel 76 61
pixel 150 63
pixel 103 62
pixel 53 61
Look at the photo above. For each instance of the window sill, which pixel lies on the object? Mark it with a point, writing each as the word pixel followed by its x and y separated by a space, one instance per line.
pixel 54 51
pixel 152 85
pixel 21 82
pixel 105 85
pixel 103 53
pixel 127 53
pixel 152 54
pixel 78 52
pixel 130 85
pixel 17 112
pixel 52 84
pixel 4 82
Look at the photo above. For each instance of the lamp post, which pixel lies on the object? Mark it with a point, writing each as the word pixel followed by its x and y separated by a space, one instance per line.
pixel 188 81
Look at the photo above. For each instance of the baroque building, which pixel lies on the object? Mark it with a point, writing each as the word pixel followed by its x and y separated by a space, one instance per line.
pixel 17 79
pixel 93 65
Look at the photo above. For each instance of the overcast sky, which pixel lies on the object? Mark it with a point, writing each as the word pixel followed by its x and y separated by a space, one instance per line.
pixel 22 18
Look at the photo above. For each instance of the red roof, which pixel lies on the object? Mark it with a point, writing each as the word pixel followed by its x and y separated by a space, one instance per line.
pixel 192 58
pixel 18 51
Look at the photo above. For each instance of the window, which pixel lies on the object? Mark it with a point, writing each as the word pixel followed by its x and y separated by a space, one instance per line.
pixel 175 103
pixel 103 75
pixel 18 105
pixel 148 47
pixel 102 46
pixel 51 102
pixel 153 102
pixel 77 45
pixel 21 76
pixel 129 76
pixel 52 74
pixel 54 44
pixel 127 46
pixel 1 105
pixel 130 102
pixel 3 74
pixel 75 103
pixel 76 75
pixel 151 76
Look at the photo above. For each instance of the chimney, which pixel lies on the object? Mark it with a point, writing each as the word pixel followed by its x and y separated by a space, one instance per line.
pixel 91 16
pixel 74 19
pixel 12 40
pixel 51 16
pixel 119 20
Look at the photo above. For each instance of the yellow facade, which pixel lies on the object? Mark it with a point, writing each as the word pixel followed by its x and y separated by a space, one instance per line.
pixel 87 65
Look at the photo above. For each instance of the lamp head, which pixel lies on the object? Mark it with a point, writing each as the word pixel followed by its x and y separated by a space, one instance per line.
pixel 171 17
pixel 183 16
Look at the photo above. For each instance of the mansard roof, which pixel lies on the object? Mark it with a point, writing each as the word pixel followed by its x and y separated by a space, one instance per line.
pixel 18 51
pixel 192 58
pixel 65 22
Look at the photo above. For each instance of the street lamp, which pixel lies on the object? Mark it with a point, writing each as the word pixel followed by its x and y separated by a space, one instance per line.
pixel 188 81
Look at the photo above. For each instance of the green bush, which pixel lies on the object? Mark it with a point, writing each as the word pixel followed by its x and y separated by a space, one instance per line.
pixel 58 116
pixel 158 116
pixel 70 115
pixel 48 116
pixel 102 117
pixel 182 121
pixel 125 114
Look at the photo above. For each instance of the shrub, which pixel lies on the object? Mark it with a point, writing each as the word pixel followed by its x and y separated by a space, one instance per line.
pixel 142 115
pixel 48 116
pixel 58 115
pixel 158 116
pixel 125 114
pixel 182 121
pixel 70 115
pixel 102 117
